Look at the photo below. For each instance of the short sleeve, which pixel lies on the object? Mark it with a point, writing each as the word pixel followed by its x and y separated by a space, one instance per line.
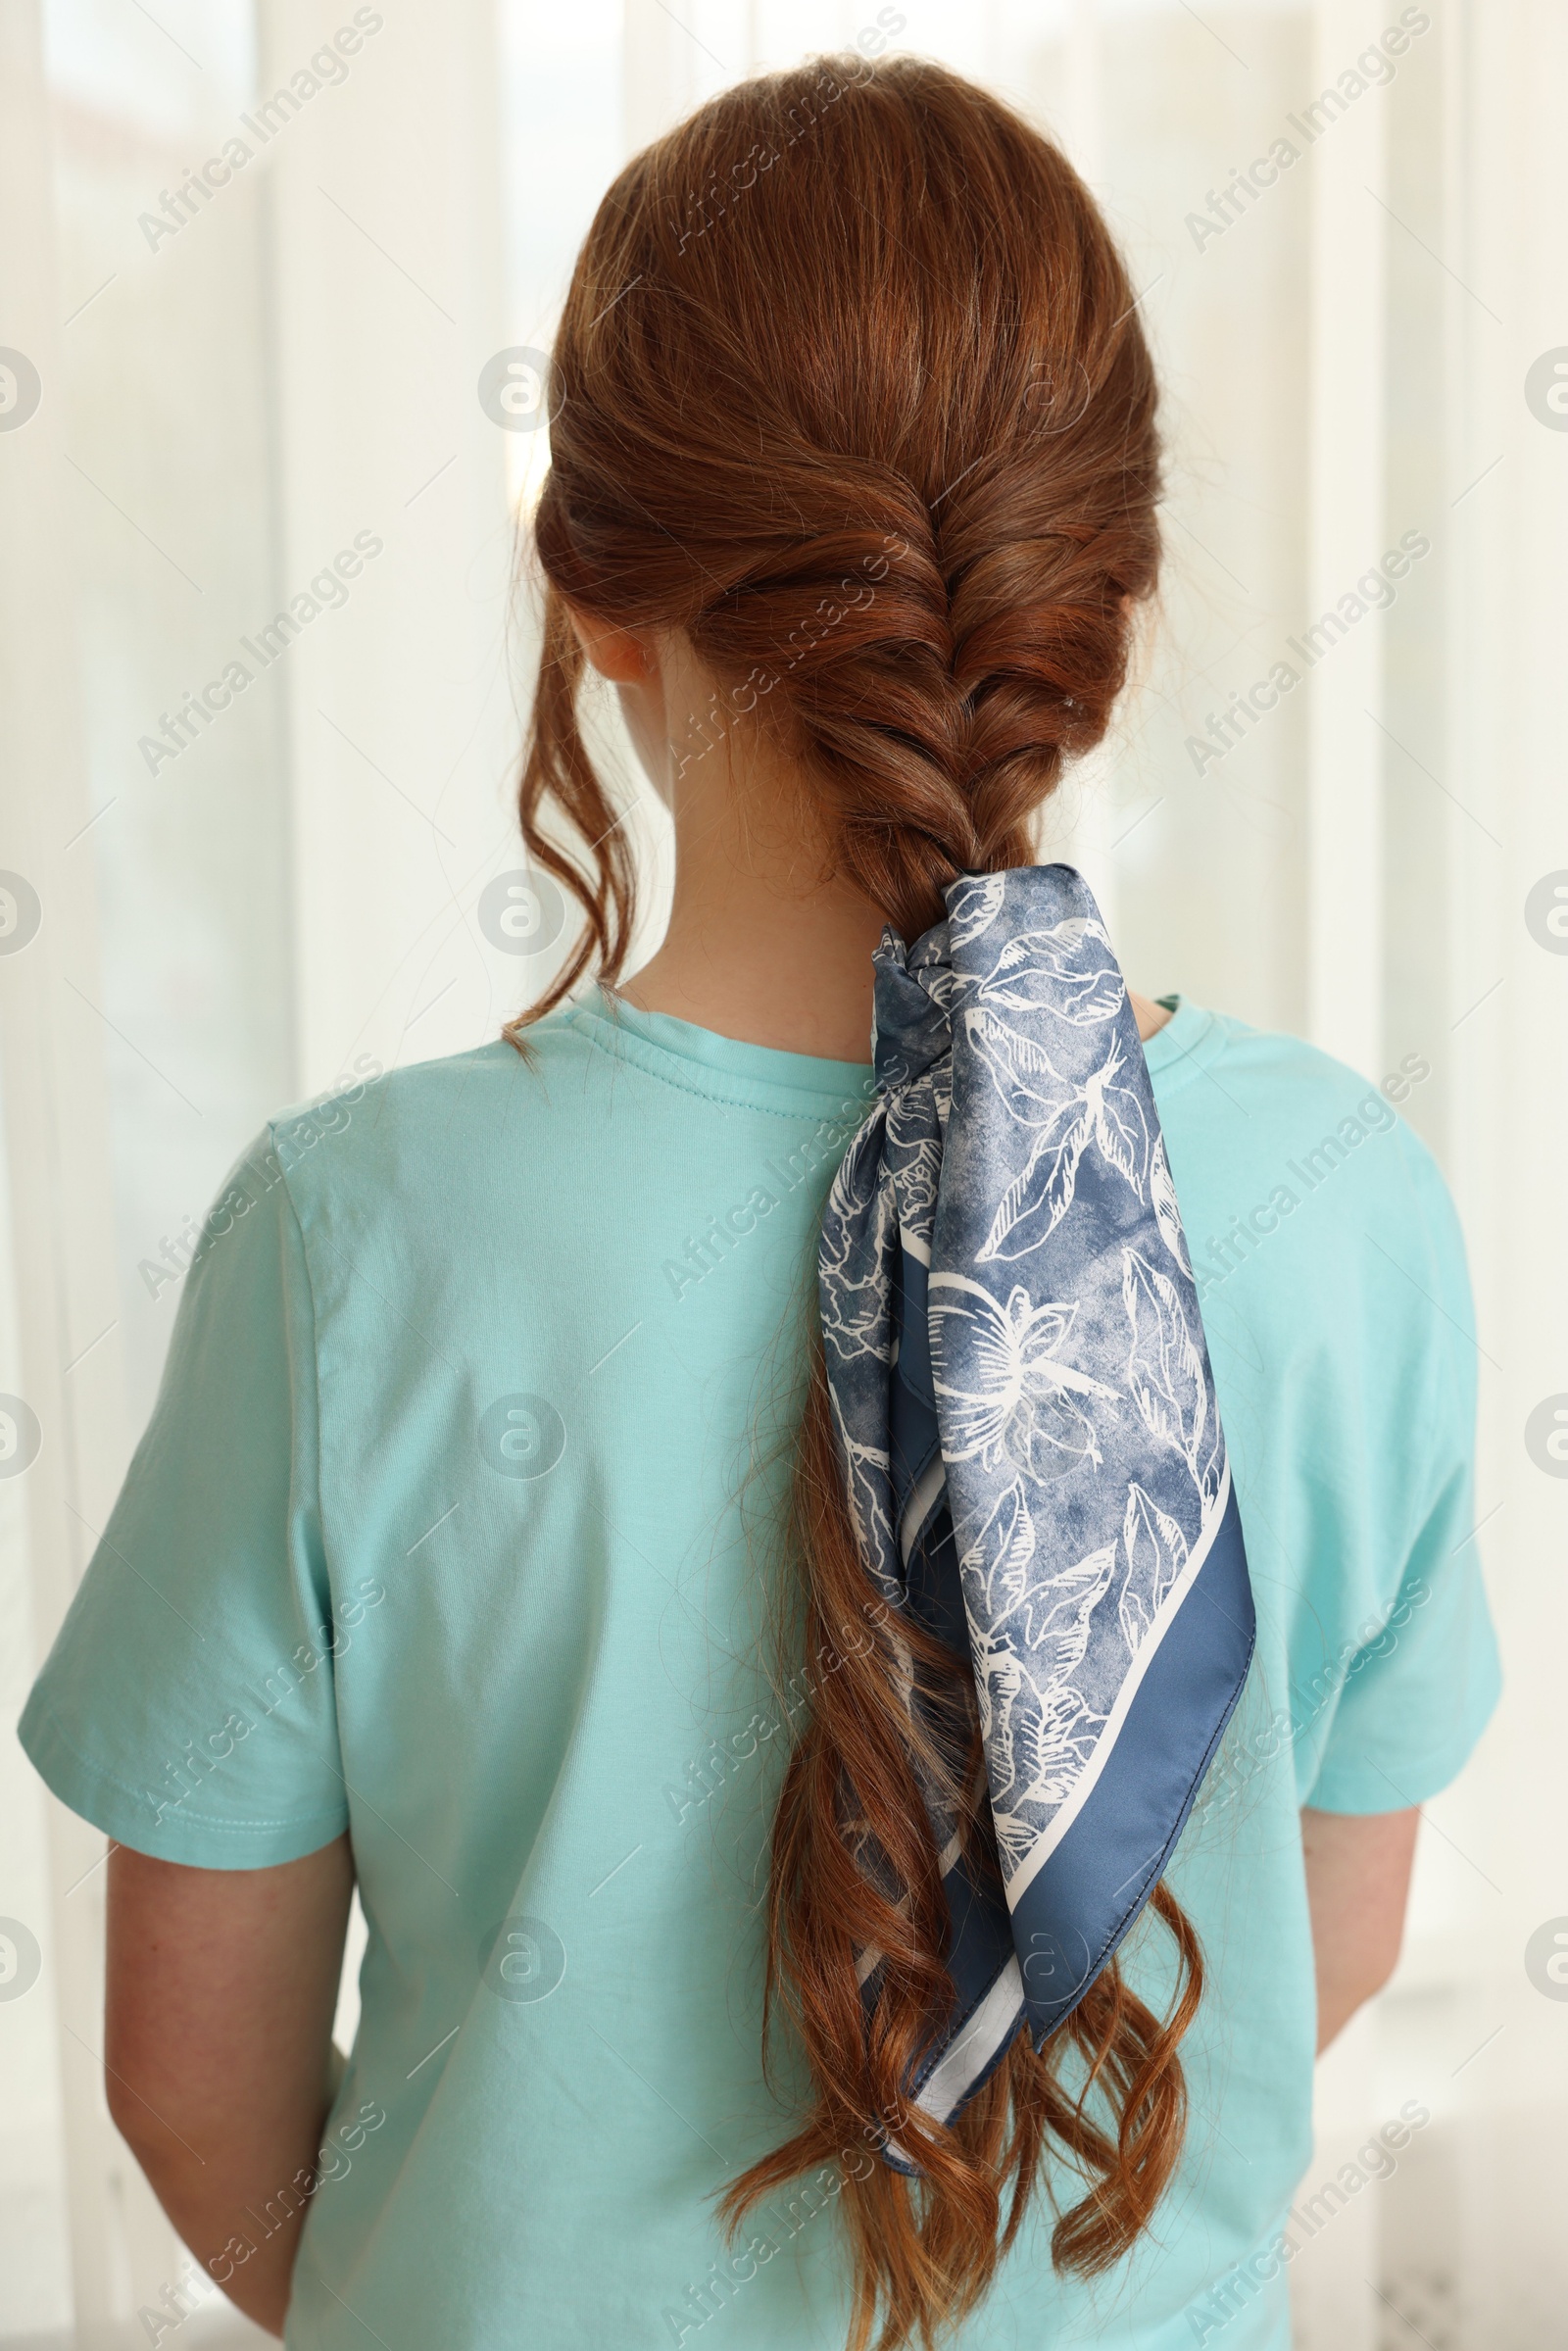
pixel 1414 1681
pixel 188 1706
pixel 1417 1698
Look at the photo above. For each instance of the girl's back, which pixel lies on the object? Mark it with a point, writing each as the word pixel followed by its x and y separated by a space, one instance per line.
pixel 472 1371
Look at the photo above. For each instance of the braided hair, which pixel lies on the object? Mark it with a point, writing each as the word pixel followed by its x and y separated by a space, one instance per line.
pixel 850 390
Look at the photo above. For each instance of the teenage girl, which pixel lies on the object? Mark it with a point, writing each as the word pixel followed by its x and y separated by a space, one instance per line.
pixel 474 1548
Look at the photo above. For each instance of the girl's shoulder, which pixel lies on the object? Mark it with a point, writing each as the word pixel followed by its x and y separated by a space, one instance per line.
pixel 1326 1249
pixel 1269 1135
pixel 431 1121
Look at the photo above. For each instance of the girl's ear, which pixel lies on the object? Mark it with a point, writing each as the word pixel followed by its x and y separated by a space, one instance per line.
pixel 619 655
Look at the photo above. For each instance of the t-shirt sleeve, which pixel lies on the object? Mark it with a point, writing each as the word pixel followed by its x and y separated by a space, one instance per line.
pixel 1417 1698
pixel 1416 1680
pixel 188 1706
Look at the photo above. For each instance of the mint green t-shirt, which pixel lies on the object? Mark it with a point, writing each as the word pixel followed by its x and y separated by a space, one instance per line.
pixel 451 1530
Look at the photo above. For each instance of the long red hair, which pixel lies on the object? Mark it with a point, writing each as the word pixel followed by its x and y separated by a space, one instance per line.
pixel 850 388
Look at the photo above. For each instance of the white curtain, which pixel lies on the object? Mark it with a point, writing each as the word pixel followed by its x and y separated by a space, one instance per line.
pixel 227 379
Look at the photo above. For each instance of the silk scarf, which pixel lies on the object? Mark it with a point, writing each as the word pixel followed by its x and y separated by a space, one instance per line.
pixel 1028 1427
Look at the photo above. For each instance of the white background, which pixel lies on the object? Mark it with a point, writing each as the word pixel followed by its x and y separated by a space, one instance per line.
pixel 224 409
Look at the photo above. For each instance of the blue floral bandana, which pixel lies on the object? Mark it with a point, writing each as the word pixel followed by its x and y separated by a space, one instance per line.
pixel 1029 1431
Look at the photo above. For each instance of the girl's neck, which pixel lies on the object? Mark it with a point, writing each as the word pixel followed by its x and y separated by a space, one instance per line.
pixel 757 957
pixel 765 943
pixel 768 964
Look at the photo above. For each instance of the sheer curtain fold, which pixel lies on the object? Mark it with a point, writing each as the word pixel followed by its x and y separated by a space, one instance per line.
pixel 73 2186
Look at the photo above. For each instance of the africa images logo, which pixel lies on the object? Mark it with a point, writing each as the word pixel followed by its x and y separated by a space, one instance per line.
pixel 328 591
pixel 326 69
